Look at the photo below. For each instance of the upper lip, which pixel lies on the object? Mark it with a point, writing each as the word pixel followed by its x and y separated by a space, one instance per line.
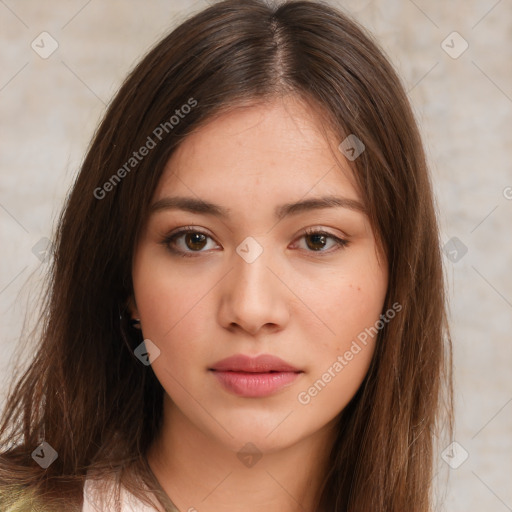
pixel 259 364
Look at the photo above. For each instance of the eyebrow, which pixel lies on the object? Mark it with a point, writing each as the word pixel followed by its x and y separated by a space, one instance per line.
pixel 193 205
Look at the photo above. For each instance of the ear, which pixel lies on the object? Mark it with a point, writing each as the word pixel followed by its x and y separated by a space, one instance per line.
pixel 132 307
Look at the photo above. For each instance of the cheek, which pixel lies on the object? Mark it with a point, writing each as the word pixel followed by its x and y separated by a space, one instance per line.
pixel 339 367
pixel 350 301
pixel 166 298
pixel 166 301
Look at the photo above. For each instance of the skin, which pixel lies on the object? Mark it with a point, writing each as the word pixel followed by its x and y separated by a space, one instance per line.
pixel 290 301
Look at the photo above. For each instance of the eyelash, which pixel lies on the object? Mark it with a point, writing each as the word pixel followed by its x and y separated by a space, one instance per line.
pixel 341 243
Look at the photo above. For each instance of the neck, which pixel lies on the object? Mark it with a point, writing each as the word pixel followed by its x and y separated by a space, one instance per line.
pixel 201 473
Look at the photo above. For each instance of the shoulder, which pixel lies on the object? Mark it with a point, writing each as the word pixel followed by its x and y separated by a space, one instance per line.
pixel 106 495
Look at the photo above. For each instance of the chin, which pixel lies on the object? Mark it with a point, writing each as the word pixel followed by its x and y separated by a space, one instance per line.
pixel 267 432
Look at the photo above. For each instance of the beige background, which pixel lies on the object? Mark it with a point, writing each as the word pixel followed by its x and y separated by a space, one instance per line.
pixel 50 107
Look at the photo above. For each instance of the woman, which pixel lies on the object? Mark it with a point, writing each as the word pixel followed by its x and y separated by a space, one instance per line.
pixel 246 306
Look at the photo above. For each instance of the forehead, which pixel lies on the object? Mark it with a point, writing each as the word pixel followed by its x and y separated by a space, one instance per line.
pixel 266 152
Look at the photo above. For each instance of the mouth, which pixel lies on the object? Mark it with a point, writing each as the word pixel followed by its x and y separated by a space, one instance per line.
pixel 254 377
pixel 264 363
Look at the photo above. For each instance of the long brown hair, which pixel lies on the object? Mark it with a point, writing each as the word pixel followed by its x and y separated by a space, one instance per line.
pixel 91 399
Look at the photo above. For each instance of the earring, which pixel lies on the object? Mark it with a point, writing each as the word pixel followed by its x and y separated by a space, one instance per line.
pixel 135 322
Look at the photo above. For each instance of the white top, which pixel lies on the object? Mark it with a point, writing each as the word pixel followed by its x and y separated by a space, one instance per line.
pixel 93 502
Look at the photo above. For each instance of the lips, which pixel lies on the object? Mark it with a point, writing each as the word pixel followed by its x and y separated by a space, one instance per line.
pixel 254 377
pixel 260 364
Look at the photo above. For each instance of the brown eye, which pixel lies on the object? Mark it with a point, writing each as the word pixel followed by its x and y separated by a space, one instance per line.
pixel 317 240
pixel 195 241
pixel 186 242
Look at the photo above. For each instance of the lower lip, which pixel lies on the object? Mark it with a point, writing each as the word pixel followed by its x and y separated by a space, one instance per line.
pixel 254 385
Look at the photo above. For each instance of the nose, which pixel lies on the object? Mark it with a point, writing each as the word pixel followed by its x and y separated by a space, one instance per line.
pixel 254 297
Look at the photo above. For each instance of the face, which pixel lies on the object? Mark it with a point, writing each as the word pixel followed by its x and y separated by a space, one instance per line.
pixel 257 277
